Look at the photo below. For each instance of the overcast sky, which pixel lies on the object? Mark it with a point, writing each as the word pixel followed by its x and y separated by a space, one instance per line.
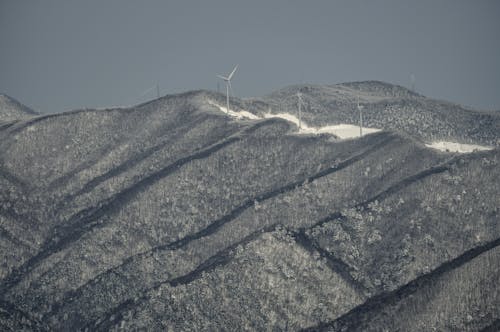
pixel 58 55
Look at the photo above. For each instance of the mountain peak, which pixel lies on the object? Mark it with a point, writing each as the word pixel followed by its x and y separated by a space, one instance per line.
pixel 11 109
pixel 381 88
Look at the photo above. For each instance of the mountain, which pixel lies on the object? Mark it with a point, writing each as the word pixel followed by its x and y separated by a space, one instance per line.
pixel 11 109
pixel 172 215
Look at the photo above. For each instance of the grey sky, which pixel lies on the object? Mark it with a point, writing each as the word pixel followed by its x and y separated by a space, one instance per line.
pixel 59 55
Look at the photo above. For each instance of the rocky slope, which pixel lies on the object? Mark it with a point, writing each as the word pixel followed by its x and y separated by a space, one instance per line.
pixel 172 215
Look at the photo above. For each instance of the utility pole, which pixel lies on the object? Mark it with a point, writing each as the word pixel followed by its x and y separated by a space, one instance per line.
pixel 360 109
pixel 299 95
pixel 158 90
pixel 227 97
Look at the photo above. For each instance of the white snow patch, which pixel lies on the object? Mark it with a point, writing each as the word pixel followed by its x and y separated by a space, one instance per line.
pixel 457 147
pixel 235 114
pixel 340 130
pixel 346 130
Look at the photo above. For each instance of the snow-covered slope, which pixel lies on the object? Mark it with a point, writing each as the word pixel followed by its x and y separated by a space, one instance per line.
pixel 172 215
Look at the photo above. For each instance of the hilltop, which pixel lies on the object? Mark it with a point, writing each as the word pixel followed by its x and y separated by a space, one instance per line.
pixel 11 109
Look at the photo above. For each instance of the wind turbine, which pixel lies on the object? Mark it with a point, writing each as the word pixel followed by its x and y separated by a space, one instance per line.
pixel 360 109
pixel 228 84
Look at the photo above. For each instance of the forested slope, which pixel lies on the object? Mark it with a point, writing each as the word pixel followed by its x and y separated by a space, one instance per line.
pixel 172 215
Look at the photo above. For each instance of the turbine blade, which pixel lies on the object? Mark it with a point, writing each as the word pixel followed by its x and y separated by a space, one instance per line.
pixel 232 73
pixel 222 77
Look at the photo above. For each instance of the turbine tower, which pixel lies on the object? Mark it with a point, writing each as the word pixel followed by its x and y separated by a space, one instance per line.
pixel 299 96
pixel 360 109
pixel 228 84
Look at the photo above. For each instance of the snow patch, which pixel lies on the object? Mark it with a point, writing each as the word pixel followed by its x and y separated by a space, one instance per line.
pixel 457 147
pixel 236 114
pixel 340 130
